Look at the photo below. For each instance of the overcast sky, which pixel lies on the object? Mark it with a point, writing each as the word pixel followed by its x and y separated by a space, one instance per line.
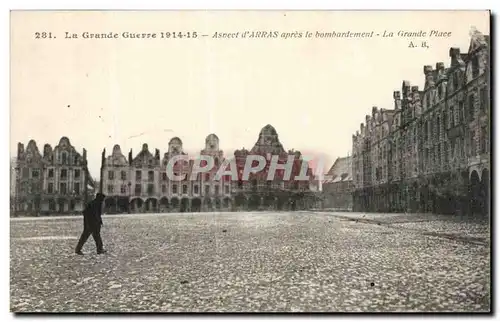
pixel 315 92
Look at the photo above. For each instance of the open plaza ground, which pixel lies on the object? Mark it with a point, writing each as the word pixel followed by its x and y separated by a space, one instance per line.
pixel 253 262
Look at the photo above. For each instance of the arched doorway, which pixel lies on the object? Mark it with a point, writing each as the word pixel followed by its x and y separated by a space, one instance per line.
pixel 185 205
pixel 281 202
pixel 226 204
pixel 292 201
pixel 37 203
pixel 72 205
pixel 475 193
pixel 151 204
pixel 254 202
pixel 196 205
pixel 414 197
pixel 52 205
pixel 208 204
pixel 175 204
pixel 136 205
pixel 485 192
pixel 62 205
pixel 110 205
pixel 270 202
pixel 123 204
pixel 218 204
pixel 240 201
pixel 164 204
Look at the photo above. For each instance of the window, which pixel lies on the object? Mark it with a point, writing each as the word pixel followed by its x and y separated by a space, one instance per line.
pixel 461 112
pixel 64 173
pixel 72 205
pixel 64 158
pixel 471 107
pixel 163 189
pixel 26 172
pixel 138 189
pixel 438 128
pixel 77 173
pixel 35 173
pixel 75 160
pixel 164 176
pixel 207 190
pixel 151 176
pixel 475 66
pixel 51 173
pixel 484 140
pixel 77 188
pixel 473 143
pixel 483 94
pixel 445 152
pixel 123 175
pixel 216 190
pixel 110 188
pixel 196 189
pixel 207 176
pixel 123 189
pixel 50 188
pixel 151 188
pixel 451 116
pixel 138 175
pixel 62 188
pixel 184 189
pixel 227 189
pixel 111 175
pixel 174 189
pixel 455 81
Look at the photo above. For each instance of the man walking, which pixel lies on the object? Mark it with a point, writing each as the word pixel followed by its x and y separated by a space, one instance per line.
pixel 92 223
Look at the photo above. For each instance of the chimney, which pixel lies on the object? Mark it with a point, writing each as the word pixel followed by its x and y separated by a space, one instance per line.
pixel 397 100
pixel 429 78
pixel 20 150
pixel 454 52
pixel 440 66
pixel 130 157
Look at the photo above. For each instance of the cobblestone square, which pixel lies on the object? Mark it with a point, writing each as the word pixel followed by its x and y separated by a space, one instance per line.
pixel 253 262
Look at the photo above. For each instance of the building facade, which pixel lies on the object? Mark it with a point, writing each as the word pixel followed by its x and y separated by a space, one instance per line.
pixel 279 193
pixel 337 188
pixel 141 183
pixel 56 181
pixel 431 152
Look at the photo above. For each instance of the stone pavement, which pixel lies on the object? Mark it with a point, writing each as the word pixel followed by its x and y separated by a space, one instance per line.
pixel 253 262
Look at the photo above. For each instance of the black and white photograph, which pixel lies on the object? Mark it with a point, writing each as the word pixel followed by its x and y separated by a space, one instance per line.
pixel 252 161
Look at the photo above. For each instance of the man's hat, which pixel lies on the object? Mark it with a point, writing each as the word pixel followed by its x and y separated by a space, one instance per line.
pixel 100 196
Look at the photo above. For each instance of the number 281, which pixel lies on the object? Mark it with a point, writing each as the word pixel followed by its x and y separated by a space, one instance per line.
pixel 43 35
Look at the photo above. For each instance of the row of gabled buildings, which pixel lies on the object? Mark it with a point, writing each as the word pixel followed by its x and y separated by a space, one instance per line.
pixel 58 181
pixel 140 183
pixel 55 181
pixel 431 151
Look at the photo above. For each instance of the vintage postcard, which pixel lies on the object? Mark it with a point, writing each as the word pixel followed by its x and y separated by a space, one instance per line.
pixel 250 161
